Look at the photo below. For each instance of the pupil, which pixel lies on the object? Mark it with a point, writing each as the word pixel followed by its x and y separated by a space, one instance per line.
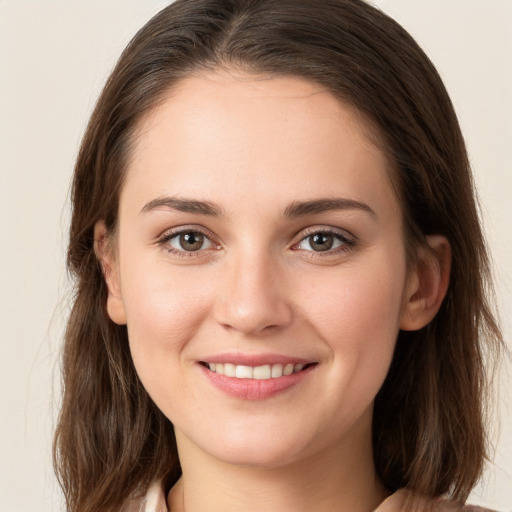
pixel 191 241
pixel 321 242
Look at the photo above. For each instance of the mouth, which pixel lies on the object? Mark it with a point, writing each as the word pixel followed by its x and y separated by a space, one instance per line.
pixel 263 372
pixel 256 376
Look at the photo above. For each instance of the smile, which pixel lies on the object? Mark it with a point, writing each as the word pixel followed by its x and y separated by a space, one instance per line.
pixel 264 372
pixel 257 382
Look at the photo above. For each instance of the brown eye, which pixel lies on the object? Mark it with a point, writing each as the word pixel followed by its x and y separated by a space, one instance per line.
pixel 325 241
pixel 189 241
pixel 321 241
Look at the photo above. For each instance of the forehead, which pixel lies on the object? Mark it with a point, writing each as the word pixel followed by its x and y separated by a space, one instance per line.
pixel 232 97
pixel 273 136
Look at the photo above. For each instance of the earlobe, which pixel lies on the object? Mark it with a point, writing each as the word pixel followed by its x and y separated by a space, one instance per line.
pixel 427 284
pixel 106 257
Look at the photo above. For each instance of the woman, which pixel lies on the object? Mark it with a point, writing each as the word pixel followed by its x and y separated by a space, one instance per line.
pixel 280 272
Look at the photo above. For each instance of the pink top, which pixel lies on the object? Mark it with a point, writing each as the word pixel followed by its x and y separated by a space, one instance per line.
pixel 155 501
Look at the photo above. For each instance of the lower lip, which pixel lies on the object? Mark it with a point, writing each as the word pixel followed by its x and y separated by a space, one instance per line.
pixel 255 389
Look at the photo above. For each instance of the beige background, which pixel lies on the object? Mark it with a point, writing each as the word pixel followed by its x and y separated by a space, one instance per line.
pixel 54 58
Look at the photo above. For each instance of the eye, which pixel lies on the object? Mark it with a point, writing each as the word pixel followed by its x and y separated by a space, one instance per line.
pixel 323 241
pixel 188 241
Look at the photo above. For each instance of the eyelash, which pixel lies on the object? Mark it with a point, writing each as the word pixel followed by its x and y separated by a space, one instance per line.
pixel 165 240
pixel 347 242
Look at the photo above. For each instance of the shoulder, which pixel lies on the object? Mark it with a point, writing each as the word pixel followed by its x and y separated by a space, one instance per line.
pixel 401 501
pixel 406 501
pixel 468 508
pixel 153 501
pixel 471 508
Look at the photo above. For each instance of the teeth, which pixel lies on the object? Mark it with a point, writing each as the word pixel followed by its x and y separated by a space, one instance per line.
pixel 229 370
pixel 277 371
pixel 264 372
pixel 243 372
pixel 288 369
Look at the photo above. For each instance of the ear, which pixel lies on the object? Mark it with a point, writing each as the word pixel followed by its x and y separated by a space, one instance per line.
pixel 427 284
pixel 110 268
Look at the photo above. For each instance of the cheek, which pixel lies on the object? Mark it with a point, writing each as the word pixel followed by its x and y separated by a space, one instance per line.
pixel 164 309
pixel 357 314
pixel 358 296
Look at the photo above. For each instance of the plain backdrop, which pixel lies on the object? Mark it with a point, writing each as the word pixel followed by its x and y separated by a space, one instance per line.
pixel 54 57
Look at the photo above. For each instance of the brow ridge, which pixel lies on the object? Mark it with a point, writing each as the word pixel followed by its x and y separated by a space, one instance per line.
pixel 293 210
pixel 184 205
pixel 302 208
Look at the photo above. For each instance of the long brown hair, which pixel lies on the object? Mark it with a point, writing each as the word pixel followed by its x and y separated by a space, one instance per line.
pixel 429 435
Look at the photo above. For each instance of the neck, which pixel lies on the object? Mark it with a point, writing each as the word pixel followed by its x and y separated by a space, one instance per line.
pixel 340 480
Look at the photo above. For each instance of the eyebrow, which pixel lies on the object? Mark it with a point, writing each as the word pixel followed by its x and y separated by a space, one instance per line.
pixel 184 205
pixel 302 208
pixel 293 210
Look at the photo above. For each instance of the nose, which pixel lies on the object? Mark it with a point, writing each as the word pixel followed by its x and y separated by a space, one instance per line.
pixel 252 298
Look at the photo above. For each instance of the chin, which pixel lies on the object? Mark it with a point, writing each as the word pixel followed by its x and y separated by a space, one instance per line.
pixel 257 458
pixel 268 451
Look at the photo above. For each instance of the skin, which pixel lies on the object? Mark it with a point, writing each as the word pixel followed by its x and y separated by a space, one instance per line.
pixel 253 147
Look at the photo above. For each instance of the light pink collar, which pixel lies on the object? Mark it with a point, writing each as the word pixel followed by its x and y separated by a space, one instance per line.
pixel 155 501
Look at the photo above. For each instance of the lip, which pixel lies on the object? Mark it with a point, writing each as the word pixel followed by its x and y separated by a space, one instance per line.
pixel 254 389
pixel 255 359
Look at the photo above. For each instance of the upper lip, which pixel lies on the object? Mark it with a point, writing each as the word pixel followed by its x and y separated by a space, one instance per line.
pixel 255 359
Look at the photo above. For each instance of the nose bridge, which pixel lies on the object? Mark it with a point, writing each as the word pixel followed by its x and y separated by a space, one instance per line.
pixel 253 297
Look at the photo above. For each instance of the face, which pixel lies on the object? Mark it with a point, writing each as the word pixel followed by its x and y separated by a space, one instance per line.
pixel 259 265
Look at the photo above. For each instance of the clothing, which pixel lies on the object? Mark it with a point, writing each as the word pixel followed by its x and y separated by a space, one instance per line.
pixel 405 501
pixel 155 501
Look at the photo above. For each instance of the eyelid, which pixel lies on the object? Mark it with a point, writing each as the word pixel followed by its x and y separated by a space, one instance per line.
pixel 169 234
pixel 348 239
